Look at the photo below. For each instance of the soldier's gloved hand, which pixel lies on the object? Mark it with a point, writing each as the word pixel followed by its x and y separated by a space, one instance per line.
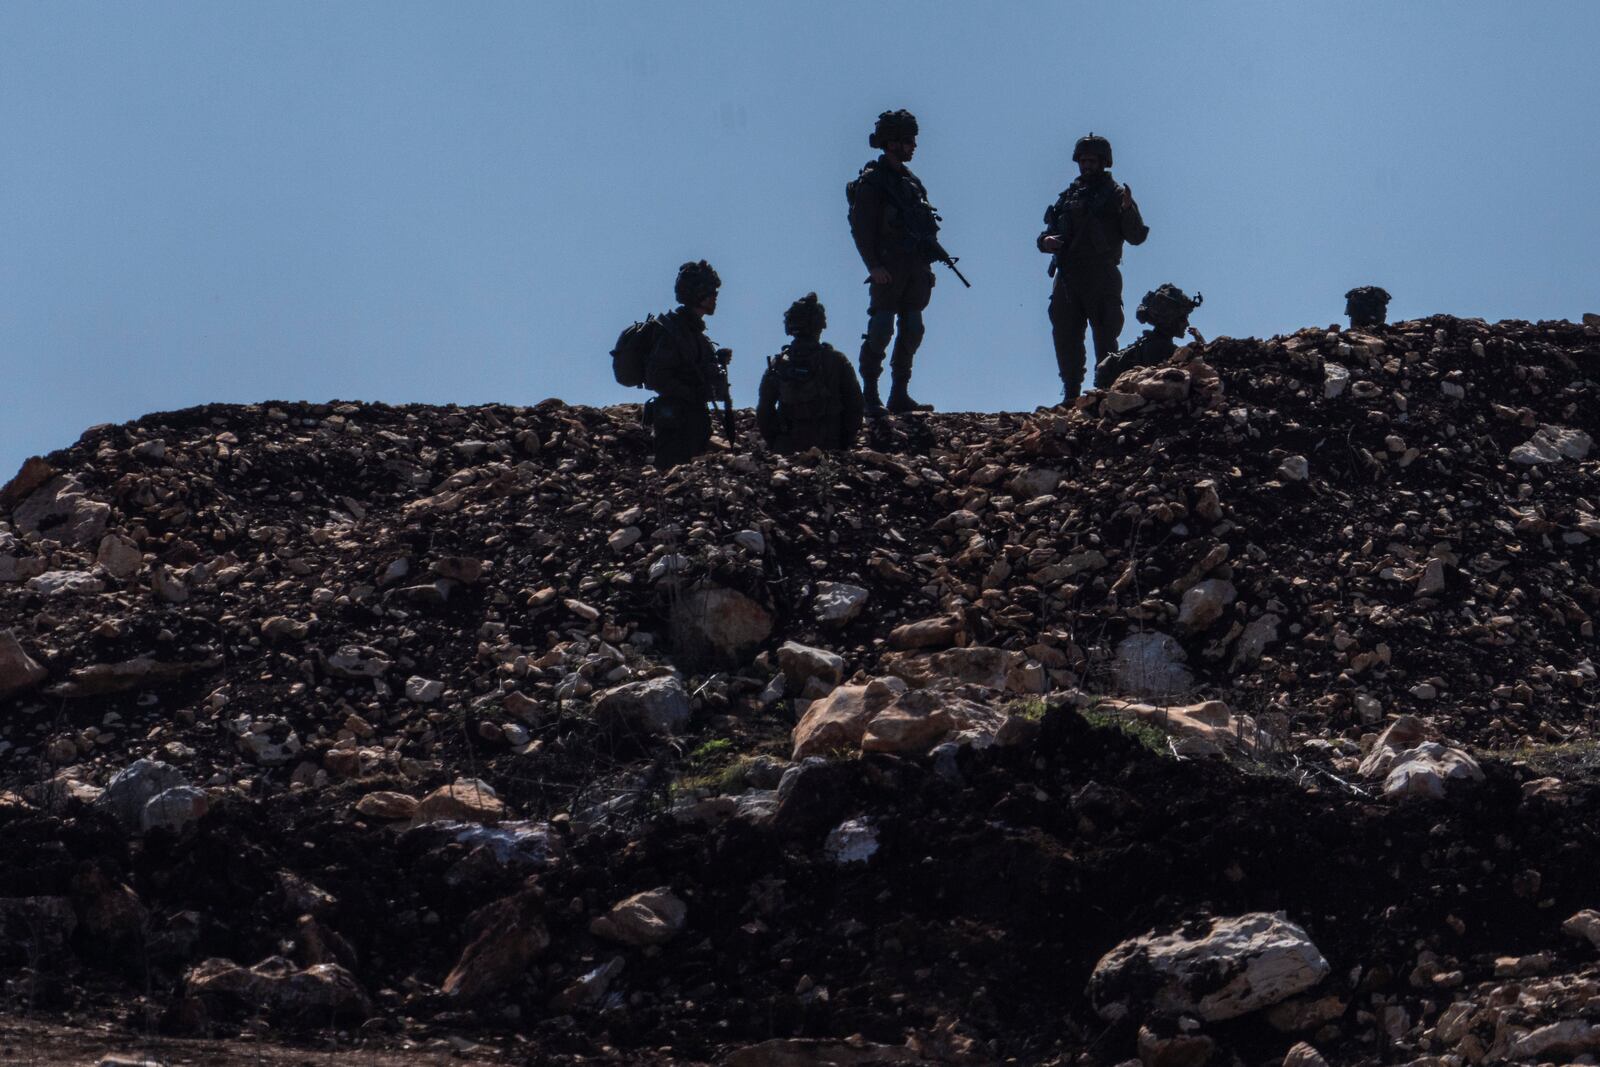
pixel 1127 198
pixel 879 276
pixel 1050 244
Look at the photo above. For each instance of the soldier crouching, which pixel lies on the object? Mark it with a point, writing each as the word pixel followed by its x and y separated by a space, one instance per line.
pixel 1165 309
pixel 809 394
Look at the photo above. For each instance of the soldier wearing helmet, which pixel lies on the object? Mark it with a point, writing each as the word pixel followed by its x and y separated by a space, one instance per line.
pixel 809 395
pixel 891 222
pixel 1367 305
pixel 1085 230
pixel 1165 309
pixel 685 368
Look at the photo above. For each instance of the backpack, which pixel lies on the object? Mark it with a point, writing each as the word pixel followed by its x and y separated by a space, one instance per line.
pixel 804 393
pixel 632 350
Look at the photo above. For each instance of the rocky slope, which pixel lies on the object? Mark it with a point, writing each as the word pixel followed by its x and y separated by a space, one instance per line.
pixel 464 723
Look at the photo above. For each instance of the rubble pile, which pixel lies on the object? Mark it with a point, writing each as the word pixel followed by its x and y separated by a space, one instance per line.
pixel 416 720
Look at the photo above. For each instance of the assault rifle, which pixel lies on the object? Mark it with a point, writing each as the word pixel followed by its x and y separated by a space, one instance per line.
pixel 725 357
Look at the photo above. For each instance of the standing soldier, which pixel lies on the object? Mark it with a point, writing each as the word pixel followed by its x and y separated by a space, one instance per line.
pixel 685 369
pixel 1367 305
pixel 809 395
pixel 1084 232
pixel 895 230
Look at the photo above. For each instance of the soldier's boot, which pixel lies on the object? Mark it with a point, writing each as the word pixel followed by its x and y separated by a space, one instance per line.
pixel 900 402
pixel 869 393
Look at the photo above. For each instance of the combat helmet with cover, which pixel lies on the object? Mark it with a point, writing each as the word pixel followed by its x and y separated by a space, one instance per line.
pixel 1167 308
pixel 1367 305
pixel 696 281
pixel 1092 144
pixel 892 126
pixel 806 317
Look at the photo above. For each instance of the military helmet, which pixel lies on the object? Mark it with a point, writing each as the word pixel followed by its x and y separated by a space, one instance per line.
pixel 893 126
pixel 696 281
pixel 1367 305
pixel 1167 307
pixel 806 317
pixel 1092 145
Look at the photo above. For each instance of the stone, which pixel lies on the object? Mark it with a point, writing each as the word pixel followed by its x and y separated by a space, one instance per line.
pixel 837 722
pixel 991 668
pixel 1400 735
pixel 1427 769
pixel 1303 1055
pixel 65 584
pixel 1240 965
pixel 838 603
pixel 167 585
pixel 918 719
pixel 622 540
pixel 653 917
pixel 938 631
pixel 751 541
pixel 421 690
pixel 119 556
pixel 42 925
pixel 1173 1050
pixel 1035 482
pixel 357 661
pixel 852 841
pixel 658 707
pixel 1335 380
pixel 1552 444
pixel 18 670
pixel 1152 666
pixel 135 786
pixel 173 809
pixel 1209 728
pixel 510 936
pixel 1585 926
pixel 283 628
pixel 387 805
pixel 465 570
pixel 464 800
pixel 719 624
pixel 801 664
pixel 1563 1040
pixel 59 510
pixel 1294 469
pixel 1431 583
pixel 317 994
pixel 1204 604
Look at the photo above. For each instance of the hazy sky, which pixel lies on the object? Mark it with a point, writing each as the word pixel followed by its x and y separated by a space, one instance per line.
pixel 217 201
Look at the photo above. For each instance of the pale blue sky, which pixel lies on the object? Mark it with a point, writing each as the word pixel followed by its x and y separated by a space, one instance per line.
pixel 221 201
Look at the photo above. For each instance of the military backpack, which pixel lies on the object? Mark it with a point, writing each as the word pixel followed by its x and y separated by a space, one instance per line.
pixel 633 350
pixel 804 395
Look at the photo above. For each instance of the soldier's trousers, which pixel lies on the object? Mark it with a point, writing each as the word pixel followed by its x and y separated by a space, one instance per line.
pixel 904 298
pixel 1084 297
pixel 682 432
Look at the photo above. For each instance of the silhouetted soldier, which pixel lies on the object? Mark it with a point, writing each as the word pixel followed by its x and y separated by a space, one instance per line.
pixel 1165 309
pixel 1084 232
pixel 685 369
pixel 1367 305
pixel 809 395
pixel 895 231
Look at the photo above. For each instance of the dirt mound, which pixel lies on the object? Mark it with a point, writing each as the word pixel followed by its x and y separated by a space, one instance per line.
pixel 414 721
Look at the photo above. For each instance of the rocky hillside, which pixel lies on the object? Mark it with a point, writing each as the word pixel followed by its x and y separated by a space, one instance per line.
pixel 466 725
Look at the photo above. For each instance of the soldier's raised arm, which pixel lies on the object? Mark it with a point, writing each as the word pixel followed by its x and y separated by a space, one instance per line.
pixel 1134 231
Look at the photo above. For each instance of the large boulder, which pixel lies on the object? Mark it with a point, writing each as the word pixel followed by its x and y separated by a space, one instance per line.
pixel 917 720
pixel 838 721
pixel 140 782
pixel 1151 666
pixel 1425 771
pixel 317 994
pixel 508 935
pixel 721 625
pixel 655 706
pixel 1231 968
pixel 60 511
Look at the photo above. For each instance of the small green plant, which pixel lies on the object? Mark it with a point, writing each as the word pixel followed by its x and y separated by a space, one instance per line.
pixel 709 752
pixel 1030 708
pixel 1150 737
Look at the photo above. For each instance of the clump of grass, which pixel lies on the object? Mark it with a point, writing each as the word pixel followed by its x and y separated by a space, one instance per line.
pixel 1030 708
pixel 712 768
pixel 1150 737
